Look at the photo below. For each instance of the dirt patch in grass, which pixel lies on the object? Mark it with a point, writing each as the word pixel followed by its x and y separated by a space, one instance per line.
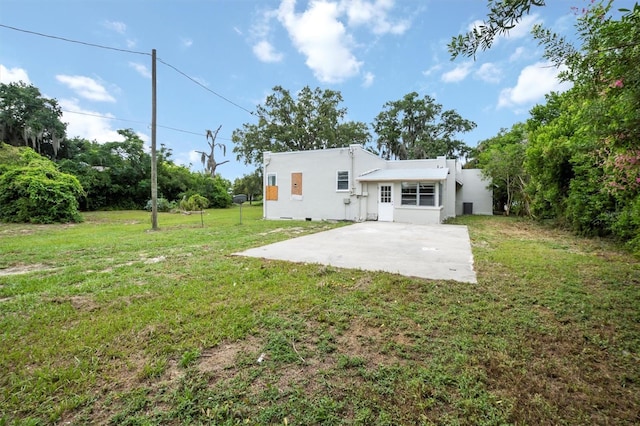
pixel 81 303
pixel 24 269
pixel 225 355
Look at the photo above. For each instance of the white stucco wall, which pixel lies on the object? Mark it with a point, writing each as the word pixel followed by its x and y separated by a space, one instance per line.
pixel 320 199
pixel 474 190
pixel 418 215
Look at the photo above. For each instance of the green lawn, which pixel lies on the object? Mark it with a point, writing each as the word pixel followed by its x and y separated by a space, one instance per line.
pixel 107 322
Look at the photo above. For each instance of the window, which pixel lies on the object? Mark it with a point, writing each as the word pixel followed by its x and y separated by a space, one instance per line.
pixel 409 194
pixel 426 194
pixel 342 180
pixel 418 194
pixel 296 183
pixel 385 193
pixel 272 188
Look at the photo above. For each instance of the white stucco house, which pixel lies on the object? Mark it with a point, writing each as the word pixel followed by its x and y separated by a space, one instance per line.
pixel 354 184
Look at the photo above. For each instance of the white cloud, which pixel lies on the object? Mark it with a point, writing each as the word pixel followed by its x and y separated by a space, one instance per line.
pixel 90 125
pixel 141 69
pixel 431 70
pixel 489 72
pixel 523 28
pixel 374 14
pixel 517 54
pixel 367 79
pixel 266 52
pixel 195 157
pixel 86 87
pixel 13 75
pixel 475 25
pixel 186 42
pixel 237 30
pixel 534 82
pixel 119 27
pixel 457 74
pixel 319 35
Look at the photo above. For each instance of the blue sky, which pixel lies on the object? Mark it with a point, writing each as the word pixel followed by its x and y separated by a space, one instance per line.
pixel 372 51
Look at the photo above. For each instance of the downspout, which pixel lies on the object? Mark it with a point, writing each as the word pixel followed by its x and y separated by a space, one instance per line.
pixel 352 178
pixel 266 159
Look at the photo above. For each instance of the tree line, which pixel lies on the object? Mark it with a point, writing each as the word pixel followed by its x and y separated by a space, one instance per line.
pixel 46 177
pixel 115 175
pixel 576 160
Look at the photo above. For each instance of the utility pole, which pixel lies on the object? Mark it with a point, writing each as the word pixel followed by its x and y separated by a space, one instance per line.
pixel 154 164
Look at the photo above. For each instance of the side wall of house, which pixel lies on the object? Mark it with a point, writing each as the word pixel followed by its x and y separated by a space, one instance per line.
pixel 307 183
pixel 475 191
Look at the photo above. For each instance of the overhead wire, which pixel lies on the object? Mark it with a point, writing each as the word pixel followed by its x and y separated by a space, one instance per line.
pixel 193 80
pixel 107 117
pixel 203 86
pixel 74 41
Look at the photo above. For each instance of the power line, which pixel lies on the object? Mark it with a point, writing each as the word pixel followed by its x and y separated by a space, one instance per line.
pixel 139 122
pixel 132 52
pixel 75 41
pixel 203 86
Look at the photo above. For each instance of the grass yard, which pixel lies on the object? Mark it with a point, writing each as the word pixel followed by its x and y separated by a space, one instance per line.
pixel 107 322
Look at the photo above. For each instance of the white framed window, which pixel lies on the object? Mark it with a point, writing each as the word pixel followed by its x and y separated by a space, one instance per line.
pixel 419 194
pixel 342 180
pixel 271 179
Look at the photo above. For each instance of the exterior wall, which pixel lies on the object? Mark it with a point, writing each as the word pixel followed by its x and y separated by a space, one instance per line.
pixel 319 198
pixel 448 186
pixel 475 190
pixel 418 215
pixel 307 187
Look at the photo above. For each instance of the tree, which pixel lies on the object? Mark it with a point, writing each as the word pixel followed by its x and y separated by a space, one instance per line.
pixel 250 185
pixel 35 191
pixel 415 128
pixel 501 159
pixel 209 160
pixel 503 16
pixel 604 190
pixel 215 189
pixel 312 121
pixel 114 174
pixel 27 118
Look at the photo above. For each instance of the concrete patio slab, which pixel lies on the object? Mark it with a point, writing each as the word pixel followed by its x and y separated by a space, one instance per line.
pixel 438 252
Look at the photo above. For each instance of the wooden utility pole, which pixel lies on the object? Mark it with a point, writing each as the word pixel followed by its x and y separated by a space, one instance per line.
pixel 154 164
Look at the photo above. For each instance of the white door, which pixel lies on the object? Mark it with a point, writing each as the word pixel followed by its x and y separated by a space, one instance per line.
pixel 385 202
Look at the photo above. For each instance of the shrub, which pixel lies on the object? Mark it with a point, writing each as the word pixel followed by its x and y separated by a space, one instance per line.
pixel 38 192
pixel 163 205
pixel 194 202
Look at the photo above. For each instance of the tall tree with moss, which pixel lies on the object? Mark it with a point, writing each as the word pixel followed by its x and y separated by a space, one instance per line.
pixel 415 128
pixel 29 119
pixel 311 120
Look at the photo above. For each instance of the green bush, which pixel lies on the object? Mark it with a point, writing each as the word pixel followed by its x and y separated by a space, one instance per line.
pixel 163 205
pixel 216 190
pixel 194 202
pixel 38 192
